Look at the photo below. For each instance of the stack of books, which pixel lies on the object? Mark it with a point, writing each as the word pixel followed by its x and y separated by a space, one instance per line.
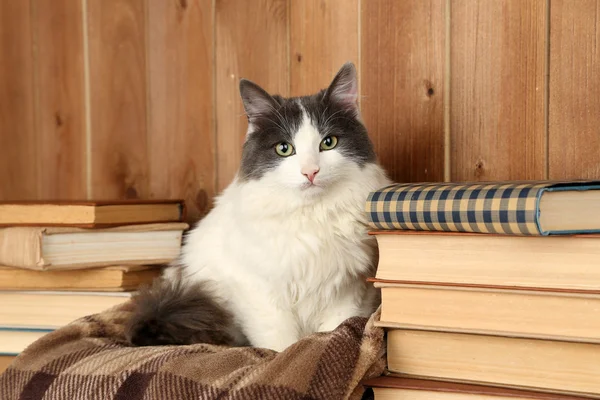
pixel 489 289
pixel 60 261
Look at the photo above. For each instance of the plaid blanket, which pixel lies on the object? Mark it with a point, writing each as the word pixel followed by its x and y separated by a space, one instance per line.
pixel 89 359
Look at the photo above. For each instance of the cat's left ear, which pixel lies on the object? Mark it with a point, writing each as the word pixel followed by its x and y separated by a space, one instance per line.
pixel 257 101
pixel 343 90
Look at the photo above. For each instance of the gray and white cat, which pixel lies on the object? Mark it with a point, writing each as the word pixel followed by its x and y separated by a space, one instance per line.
pixel 285 251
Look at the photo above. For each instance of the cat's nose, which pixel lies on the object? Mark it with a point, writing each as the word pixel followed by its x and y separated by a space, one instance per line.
pixel 310 172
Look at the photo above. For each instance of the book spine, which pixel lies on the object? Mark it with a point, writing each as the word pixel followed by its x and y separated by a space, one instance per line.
pixel 510 210
pixel 22 248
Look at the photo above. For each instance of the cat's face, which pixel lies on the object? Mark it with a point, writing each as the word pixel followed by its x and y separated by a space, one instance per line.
pixel 306 144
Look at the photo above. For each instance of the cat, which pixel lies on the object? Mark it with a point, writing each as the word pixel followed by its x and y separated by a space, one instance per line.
pixel 285 251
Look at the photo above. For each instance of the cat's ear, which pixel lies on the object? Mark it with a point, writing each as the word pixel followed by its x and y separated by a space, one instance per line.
pixel 343 90
pixel 256 100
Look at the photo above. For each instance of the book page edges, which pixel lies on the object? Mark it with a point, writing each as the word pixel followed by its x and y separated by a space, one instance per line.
pixel 174 226
pixel 394 381
pixel 385 283
pixel 163 262
pixel 474 387
pixel 22 247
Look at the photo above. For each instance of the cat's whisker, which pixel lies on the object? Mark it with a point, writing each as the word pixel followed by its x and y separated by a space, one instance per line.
pixel 276 124
pixel 324 112
pixel 279 116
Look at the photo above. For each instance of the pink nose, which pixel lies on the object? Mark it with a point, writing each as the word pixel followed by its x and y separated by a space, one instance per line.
pixel 310 173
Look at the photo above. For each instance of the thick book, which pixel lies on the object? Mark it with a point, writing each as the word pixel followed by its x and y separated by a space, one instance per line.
pixel 527 262
pixel 111 279
pixel 517 208
pixel 14 340
pixel 392 387
pixel 53 309
pixel 45 248
pixel 91 214
pixel 545 365
pixel 542 315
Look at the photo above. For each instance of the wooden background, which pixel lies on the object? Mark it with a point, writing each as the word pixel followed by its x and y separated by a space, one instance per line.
pixel 139 98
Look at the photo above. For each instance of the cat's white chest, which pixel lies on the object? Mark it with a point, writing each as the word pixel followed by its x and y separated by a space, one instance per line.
pixel 308 248
pixel 302 268
pixel 310 262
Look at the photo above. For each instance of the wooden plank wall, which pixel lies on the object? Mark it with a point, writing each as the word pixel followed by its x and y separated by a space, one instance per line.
pixel 497 88
pixel 18 140
pixel 574 103
pixel 403 85
pixel 139 98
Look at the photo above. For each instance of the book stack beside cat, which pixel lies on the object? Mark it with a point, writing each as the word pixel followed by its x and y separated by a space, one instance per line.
pixel 60 261
pixel 489 290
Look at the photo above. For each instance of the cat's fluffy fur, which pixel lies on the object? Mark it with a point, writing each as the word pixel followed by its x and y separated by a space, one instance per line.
pixel 278 257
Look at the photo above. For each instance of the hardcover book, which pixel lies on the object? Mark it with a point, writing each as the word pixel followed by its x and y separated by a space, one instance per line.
pixel 546 365
pixel 110 279
pixel 40 310
pixel 522 313
pixel 90 214
pixel 14 340
pixel 76 248
pixel 398 388
pixel 517 208
pixel 561 262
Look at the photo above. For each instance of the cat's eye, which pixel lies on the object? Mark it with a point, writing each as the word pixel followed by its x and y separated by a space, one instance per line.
pixel 284 149
pixel 329 142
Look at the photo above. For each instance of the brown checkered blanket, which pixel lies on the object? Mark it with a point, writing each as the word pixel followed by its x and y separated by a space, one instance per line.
pixel 89 359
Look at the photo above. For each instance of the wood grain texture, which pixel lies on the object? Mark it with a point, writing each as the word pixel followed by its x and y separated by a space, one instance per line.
pixel 19 159
pixel 181 130
pixel 323 36
pixel 402 56
pixel 117 54
pixel 574 109
pixel 60 111
pixel 252 43
pixel 497 90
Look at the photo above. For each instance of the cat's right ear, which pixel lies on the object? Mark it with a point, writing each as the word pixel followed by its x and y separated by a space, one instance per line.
pixel 256 100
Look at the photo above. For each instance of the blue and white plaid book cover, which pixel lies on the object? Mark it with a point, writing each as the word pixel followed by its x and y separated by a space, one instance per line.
pixel 485 207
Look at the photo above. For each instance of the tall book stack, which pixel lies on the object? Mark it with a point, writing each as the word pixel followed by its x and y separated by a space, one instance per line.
pixel 60 261
pixel 489 290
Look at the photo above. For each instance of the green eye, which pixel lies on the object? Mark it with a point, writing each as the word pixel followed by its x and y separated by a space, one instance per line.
pixel 329 142
pixel 284 149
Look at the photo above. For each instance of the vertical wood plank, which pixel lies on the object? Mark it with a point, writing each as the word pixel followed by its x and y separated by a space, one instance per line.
pixel 118 98
pixel 19 161
pixel 402 55
pixel 497 89
pixel 574 109
pixel 323 36
pixel 59 86
pixel 252 43
pixel 181 131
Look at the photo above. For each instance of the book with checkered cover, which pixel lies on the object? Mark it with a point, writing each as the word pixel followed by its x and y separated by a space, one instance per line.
pixel 518 208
